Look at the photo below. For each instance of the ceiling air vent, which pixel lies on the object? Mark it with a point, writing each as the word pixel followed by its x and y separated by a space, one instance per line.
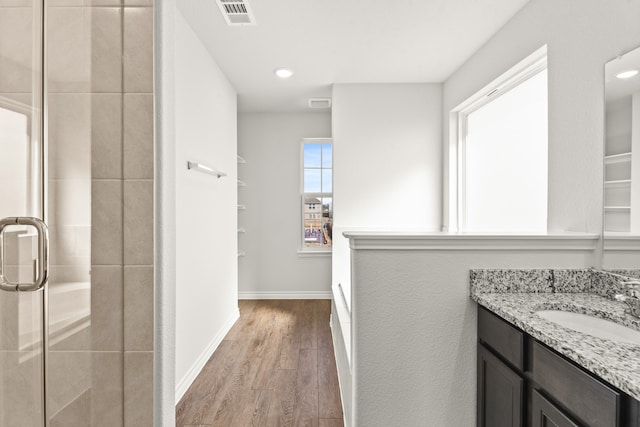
pixel 236 12
pixel 319 102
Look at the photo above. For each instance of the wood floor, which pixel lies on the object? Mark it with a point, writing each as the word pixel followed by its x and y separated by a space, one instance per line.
pixel 275 367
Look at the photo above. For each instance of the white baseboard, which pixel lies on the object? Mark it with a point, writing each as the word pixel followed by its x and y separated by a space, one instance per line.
pixel 185 382
pixel 285 295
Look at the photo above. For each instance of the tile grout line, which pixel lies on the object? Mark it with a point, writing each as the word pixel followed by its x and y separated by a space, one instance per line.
pixel 122 154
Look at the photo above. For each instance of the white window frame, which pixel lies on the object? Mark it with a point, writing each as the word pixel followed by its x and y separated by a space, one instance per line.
pixel 311 251
pixel 454 214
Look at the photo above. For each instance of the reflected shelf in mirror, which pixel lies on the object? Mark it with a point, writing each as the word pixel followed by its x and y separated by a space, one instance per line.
pixel 621 208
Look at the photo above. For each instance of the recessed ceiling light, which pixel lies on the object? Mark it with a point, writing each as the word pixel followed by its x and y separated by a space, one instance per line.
pixel 283 73
pixel 627 74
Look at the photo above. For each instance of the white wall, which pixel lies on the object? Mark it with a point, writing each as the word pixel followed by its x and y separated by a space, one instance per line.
pixel 270 144
pixel 387 162
pixel 400 295
pixel 206 221
pixel 414 349
pixel 581 36
pixel 165 227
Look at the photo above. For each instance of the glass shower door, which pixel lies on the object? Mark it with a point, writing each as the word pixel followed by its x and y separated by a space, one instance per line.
pixel 61 142
pixel 21 195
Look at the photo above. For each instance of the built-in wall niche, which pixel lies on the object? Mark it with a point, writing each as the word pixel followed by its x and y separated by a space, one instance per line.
pixel 622 145
pixel 241 230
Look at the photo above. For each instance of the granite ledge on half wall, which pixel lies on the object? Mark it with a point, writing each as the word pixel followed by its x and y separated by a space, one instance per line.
pixel 549 281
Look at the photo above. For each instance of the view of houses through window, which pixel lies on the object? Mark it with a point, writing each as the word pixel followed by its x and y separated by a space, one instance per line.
pixel 317 196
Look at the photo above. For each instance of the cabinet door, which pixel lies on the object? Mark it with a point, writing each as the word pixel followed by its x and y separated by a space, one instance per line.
pixel 545 414
pixel 590 401
pixel 500 392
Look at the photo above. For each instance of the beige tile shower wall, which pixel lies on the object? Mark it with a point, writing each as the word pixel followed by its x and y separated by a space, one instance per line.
pixel 86 365
pixel 101 92
pixel 20 321
pixel 16 24
pixel 138 220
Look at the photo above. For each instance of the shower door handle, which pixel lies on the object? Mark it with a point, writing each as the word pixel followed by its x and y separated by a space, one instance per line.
pixel 42 262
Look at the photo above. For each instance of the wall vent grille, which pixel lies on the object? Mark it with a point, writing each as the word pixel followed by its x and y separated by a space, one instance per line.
pixel 236 12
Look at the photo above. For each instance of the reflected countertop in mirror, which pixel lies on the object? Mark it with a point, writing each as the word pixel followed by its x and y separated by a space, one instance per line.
pixel 622 162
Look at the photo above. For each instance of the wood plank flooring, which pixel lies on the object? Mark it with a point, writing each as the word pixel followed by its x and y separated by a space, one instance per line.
pixel 275 367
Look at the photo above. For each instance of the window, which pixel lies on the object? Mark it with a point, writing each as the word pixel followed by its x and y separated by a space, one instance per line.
pixel 317 194
pixel 502 148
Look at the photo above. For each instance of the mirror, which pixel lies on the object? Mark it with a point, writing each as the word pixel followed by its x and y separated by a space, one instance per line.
pixel 622 162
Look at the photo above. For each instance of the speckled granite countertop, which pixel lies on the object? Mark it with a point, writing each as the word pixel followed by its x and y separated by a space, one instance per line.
pixel 616 362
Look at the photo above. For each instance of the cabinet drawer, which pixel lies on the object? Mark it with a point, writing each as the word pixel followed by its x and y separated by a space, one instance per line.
pixel 502 337
pixel 590 401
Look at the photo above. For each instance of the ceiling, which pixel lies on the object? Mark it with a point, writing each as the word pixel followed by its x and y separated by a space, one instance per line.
pixel 620 88
pixel 342 41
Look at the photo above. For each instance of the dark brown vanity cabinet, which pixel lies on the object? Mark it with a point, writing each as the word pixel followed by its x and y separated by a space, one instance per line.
pixel 500 392
pixel 521 382
pixel 500 379
pixel 545 413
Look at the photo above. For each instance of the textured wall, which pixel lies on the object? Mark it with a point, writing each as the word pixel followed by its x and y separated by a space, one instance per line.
pixel 387 167
pixel 165 274
pixel 206 215
pixel 581 36
pixel 414 350
pixel 270 143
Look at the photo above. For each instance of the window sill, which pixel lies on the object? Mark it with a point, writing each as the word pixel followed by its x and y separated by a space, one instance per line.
pixel 306 253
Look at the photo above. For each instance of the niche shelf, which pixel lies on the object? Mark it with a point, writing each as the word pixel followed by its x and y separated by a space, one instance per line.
pixel 617 158
pixel 241 207
pixel 617 208
pixel 618 183
pixel 621 168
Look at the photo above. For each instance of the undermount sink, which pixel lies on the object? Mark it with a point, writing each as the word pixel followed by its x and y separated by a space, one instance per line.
pixel 591 325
